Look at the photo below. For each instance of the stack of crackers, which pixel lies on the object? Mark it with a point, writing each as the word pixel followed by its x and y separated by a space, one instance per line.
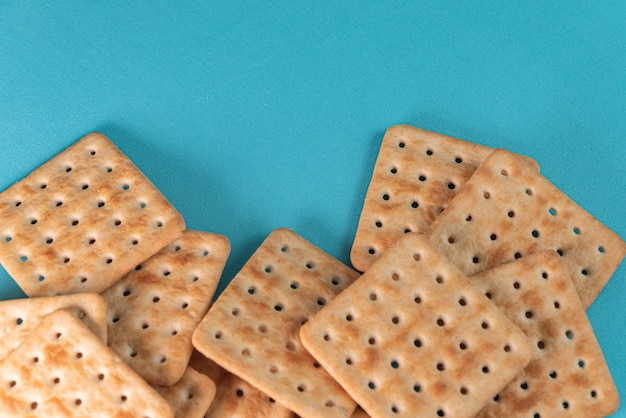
pixel 467 296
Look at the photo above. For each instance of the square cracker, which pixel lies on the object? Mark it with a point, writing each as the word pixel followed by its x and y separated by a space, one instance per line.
pixel 191 396
pixel 82 220
pixel 413 337
pixel 507 210
pixel 567 375
pixel 63 370
pixel 252 328
pixel 19 317
pixel 415 175
pixel 234 397
pixel 154 309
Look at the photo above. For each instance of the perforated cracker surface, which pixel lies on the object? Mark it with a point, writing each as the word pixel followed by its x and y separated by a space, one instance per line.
pixel 191 396
pixel 19 317
pixel 416 173
pixel 508 210
pixel 63 370
pixel 235 397
pixel 567 375
pixel 252 328
pixel 154 309
pixel 413 337
pixel 82 220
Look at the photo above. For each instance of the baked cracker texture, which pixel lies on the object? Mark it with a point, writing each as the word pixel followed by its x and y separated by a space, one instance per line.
pixel 252 328
pixel 413 337
pixel 567 375
pixel 507 210
pixel 416 174
pixel 191 396
pixel 19 317
pixel 234 397
pixel 82 220
pixel 154 309
pixel 63 370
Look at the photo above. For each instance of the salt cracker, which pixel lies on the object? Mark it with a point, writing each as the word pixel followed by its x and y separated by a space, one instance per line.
pixel 252 328
pixel 82 220
pixel 508 210
pixel 234 397
pixel 413 337
pixel 567 375
pixel 63 370
pixel 191 396
pixel 416 174
pixel 18 317
pixel 154 309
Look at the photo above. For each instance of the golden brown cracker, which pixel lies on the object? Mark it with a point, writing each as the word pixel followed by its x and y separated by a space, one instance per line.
pixel 567 375
pixel 154 309
pixel 507 210
pixel 63 370
pixel 82 220
pixel 416 174
pixel 252 328
pixel 413 337
pixel 191 396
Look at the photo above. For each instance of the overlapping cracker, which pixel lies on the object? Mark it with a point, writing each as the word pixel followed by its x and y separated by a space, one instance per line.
pixel 234 397
pixel 63 370
pixel 82 220
pixel 154 309
pixel 413 337
pixel 416 174
pixel 252 328
pixel 567 375
pixel 507 210
pixel 191 396
pixel 19 317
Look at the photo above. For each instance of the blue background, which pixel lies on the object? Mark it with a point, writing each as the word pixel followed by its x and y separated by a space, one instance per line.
pixel 254 115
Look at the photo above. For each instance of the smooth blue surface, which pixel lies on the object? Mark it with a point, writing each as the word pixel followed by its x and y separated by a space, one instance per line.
pixel 251 116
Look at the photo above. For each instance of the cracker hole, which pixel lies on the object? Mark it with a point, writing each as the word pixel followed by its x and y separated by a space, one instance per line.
pixel 78 402
pixel 528 314
pixel 565 405
pixel 371 341
pixel 417 342
pixel 79 355
pixel 439 279
pixel 394 364
pixel 101 376
pixel 401 144
pixel 301 388
pixel 394 409
pixel 422 178
pixel 144 326
pixel 321 301
pixel 560 252
pixel 487 195
pixel 174 332
pixel 417 256
pixel 379 224
pixel 488 294
pixel 553 374
pixel 278 307
pixel 484 325
pixel 463 345
pixel 417 388
pixel 581 364
pixel 126 293
pixel 451 240
pixel 462 302
pixel 326 337
pixel 310 265
pixel 35 359
pixel 493 237
pixel 468 218
pixel 164 359
pixel 429 152
pixel 56 380
pixel 557 305
pixel 75 222
pixel 496 398
pixel 19 321
pixel 59 204
pixel 239 393
pixel 348 361
pixel 417 299
pixel 349 317
pixel 33 222
pixel 372 296
pixel 262 329
pixel 123 398
pixel 485 369
pixel 516 285
pixel 601 249
pixel 85 186
pixel 34 405
pixel 235 312
pixel 517 255
pixel 251 290
pixel 535 233
pixel 8 239
pixel 507 348
pixel 463 390
pixel 385 196
pixel 101 204
pixel 584 272
pixel 23 259
pixel 41 278
pixel 371 385
pixel 552 211
pixel 185 305
pixel 335 281
pixel 414 204
pixel 126 187
pixel 395 277
pixel 524 386
pixel 440 413
pixel 294 285
pixel 395 320
pixel 458 160
pixel 569 334
pixel 289 346
pixel 159 224
pixel 510 214
pixel 441 367
pixel 329 404
pixel 528 192
pixel 156 299
pixel 451 186
pixel 109 170
pixel 593 394
pixel 475 260
pixel 394 170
